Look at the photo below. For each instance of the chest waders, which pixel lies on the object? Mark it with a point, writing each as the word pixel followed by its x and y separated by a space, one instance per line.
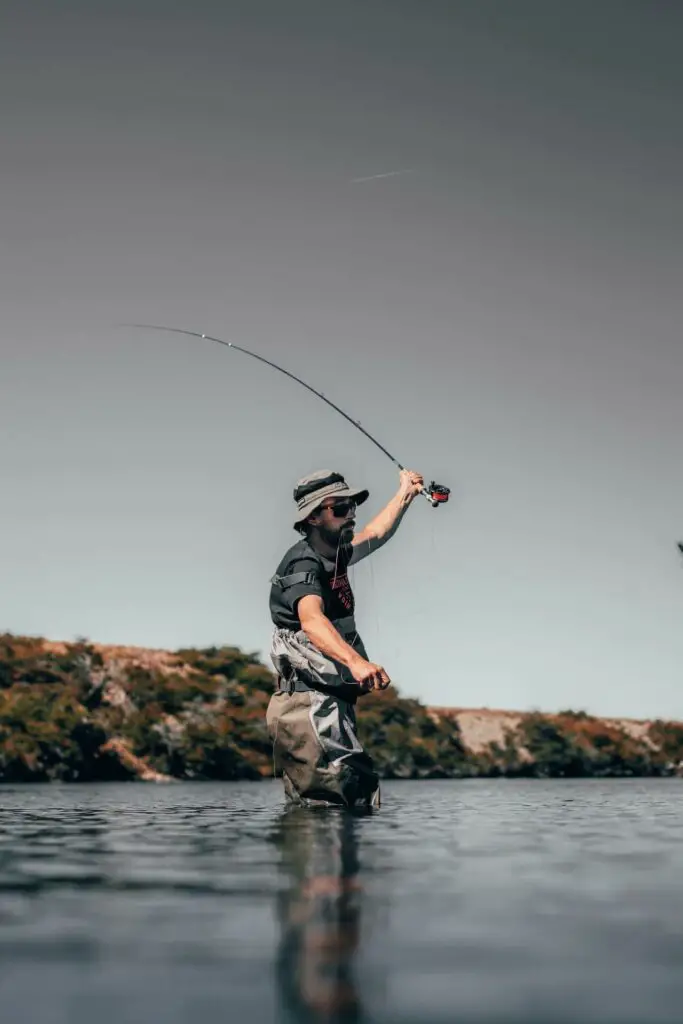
pixel 311 718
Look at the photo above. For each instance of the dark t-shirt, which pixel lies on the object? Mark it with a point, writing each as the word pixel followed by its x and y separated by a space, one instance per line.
pixel 327 580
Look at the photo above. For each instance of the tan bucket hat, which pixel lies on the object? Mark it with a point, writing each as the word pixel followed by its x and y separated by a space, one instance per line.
pixel 312 490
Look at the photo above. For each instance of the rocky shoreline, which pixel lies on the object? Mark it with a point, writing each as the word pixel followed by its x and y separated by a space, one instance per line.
pixel 78 712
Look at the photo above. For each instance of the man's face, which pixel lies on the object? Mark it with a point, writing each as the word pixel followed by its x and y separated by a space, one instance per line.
pixel 336 520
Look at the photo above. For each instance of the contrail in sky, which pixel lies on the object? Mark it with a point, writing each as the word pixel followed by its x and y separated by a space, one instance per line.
pixel 389 174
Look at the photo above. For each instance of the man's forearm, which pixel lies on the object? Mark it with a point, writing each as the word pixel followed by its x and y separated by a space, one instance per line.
pixel 380 529
pixel 329 641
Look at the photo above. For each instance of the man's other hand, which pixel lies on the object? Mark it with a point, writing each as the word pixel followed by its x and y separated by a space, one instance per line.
pixel 369 676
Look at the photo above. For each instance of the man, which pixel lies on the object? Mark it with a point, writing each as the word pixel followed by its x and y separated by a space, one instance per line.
pixel 321 662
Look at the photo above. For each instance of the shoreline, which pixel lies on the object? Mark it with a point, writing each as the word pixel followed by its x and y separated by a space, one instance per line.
pixel 81 711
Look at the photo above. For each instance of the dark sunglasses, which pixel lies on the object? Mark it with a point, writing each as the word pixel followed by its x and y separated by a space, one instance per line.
pixel 341 508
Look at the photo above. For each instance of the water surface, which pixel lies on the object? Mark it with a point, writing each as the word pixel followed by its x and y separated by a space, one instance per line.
pixel 504 901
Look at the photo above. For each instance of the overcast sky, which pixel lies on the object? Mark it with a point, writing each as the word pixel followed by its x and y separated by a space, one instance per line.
pixel 505 318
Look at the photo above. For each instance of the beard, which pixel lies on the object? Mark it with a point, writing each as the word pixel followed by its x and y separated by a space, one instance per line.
pixel 340 537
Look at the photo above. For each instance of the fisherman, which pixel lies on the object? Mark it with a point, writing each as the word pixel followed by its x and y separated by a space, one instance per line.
pixel 321 663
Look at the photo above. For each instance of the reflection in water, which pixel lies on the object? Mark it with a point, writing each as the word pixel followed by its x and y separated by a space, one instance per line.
pixel 517 901
pixel 319 911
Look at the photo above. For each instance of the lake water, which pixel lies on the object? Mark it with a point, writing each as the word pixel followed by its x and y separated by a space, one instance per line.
pixel 501 901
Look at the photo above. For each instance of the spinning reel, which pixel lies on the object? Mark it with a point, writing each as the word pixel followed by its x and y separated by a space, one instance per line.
pixel 436 494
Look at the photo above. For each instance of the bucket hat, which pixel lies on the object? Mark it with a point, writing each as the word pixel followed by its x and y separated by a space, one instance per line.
pixel 312 490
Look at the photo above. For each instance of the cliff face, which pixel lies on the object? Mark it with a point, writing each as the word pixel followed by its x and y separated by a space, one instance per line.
pixel 482 727
pixel 568 743
pixel 83 711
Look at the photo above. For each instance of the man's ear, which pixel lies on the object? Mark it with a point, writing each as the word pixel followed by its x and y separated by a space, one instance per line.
pixel 314 519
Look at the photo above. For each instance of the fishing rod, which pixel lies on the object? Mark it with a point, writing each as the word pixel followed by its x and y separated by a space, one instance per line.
pixel 436 494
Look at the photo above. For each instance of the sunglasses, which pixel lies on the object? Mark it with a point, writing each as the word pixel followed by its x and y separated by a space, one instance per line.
pixel 341 508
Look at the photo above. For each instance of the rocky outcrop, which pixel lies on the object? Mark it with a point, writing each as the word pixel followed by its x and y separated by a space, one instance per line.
pixel 135 766
pixel 480 727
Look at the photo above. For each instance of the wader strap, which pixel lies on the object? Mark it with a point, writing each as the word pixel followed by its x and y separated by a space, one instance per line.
pixel 292 685
pixel 345 691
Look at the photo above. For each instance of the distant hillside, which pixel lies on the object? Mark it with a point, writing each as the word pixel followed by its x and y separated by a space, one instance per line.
pixel 82 711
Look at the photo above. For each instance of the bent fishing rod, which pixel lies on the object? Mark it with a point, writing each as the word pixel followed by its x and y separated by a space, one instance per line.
pixel 436 494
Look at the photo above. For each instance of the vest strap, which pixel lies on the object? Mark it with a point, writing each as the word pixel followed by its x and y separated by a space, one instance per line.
pixel 295 577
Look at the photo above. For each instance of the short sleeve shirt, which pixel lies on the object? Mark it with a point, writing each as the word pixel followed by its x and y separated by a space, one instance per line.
pixel 327 580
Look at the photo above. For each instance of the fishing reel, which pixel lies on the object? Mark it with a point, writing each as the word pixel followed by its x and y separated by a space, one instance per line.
pixel 436 494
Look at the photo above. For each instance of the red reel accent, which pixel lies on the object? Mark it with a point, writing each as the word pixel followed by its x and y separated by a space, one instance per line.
pixel 438 493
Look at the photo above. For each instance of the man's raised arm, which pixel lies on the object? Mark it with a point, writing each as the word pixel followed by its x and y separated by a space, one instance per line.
pixel 385 524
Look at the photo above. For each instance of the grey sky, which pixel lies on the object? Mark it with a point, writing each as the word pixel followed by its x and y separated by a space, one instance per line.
pixel 505 318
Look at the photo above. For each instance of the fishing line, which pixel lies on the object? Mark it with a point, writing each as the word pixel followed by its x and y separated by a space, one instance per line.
pixel 373 601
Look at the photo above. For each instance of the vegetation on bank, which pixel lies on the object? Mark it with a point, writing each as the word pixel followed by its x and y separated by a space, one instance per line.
pixel 80 712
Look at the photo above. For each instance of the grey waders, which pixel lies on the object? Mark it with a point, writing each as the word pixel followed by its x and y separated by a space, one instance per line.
pixel 311 720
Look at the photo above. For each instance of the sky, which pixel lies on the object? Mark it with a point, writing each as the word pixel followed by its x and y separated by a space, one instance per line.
pixel 504 318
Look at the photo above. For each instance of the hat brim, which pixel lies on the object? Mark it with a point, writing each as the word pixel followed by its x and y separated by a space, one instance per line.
pixel 359 495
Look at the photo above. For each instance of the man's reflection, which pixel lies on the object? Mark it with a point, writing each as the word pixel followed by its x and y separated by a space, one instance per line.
pixel 319 911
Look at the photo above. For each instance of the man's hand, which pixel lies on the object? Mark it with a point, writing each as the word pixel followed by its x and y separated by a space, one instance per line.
pixel 369 676
pixel 411 484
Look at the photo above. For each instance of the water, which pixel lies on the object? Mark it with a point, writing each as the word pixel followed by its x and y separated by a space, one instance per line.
pixel 505 901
